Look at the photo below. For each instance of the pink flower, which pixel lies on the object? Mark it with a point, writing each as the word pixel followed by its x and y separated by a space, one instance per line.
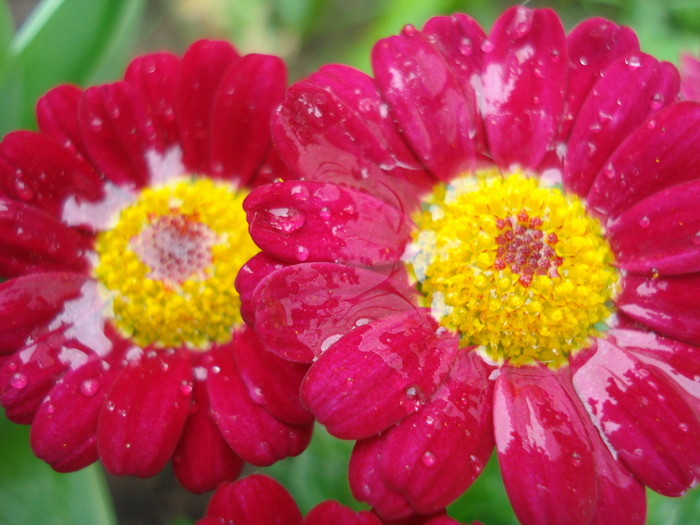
pixel 690 77
pixel 259 499
pixel 493 242
pixel 122 232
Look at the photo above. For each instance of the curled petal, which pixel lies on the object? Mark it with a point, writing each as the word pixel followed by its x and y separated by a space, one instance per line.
pixel 203 460
pixel 434 113
pixel 522 97
pixel 435 454
pixel 251 431
pixel 633 88
pixel 254 500
pixel 666 304
pixel 272 382
pixel 144 414
pixel 248 278
pixel 57 116
pixel 302 309
pixel 204 66
pixel 34 241
pixel 368 485
pixel 544 452
pixel 301 221
pixel 644 419
pixel 661 233
pixel 659 154
pixel 240 126
pixel 409 359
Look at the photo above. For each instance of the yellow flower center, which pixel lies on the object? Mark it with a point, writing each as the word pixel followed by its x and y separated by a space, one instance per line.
pixel 518 269
pixel 170 262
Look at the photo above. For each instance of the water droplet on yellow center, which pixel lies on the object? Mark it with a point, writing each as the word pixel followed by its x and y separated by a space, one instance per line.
pixel 170 262
pixel 518 269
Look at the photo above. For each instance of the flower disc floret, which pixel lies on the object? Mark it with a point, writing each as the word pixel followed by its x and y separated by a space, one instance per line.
pixel 169 263
pixel 512 266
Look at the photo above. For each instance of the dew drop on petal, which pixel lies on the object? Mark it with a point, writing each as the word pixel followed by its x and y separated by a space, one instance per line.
pixel 215 370
pixel 18 381
pixel 89 387
pixel 657 101
pixel 487 46
pixel 644 222
pixel 409 30
pixel 24 192
pixel 428 459
pixel 186 388
pixel 325 213
pixel 110 406
pixel 286 220
pixel 302 253
pixel 51 408
pixel 633 61
pixel 583 60
pixel 466 47
pixel 683 427
pixel 696 239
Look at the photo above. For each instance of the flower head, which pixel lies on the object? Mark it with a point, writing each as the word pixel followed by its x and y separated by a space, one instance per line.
pixel 122 233
pixel 494 241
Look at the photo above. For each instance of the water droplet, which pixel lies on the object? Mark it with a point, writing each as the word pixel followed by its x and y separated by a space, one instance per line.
pixel 51 408
pixel 428 459
pixel 18 381
pixel 122 412
pixel 644 222
pixel 110 406
pixel 302 253
pixel 186 388
pixel 429 420
pixel 696 239
pixel 115 112
pixel 286 220
pixel 90 387
pixel 12 366
pixel 633 61
pixel 556 55
pixel 409 30
pixel 325 213
pixel 215 370
pixel 683 427
pixel 487 46
pixel 23 191
pixel 657 101
pixel 300 193
pixel 651 124
pixel 466 47
pixel 583 60
pixel 96 123
pixel 521 25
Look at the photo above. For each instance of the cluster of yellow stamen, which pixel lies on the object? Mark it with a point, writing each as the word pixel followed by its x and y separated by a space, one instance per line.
pixel 519 269
pixel 170 262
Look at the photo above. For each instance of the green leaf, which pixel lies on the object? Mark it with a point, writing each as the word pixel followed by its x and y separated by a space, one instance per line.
pixel 7 27
pixel 31 492
pixel 72 41
pixel 673 511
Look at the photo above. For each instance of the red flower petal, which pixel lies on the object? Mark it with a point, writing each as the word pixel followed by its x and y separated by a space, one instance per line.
pixel 435 454
pixel 661 233
pixel 300 221
pixel 544 452
pixel 64 429
pixel 118 133
pixel 203 460
pixel 333 512
pixel 665 304
pixel 145 412
pixel 434 113
pixel 690 75
pixel 203 67
pixel 28 303
pixel 378 373
pixel 254 500
pixel 240 124
pixel 38 171
pixel 524 80
pixel 301 309
pixel 272 382
pixel 156 76
pixel 248 278
pixel 632 89
pixel 657 155
pixel 34 241
pixel 321 137
pixel 251 431
pixel 368 485
pixel 57 116
pixel 593 45
pixel 643 417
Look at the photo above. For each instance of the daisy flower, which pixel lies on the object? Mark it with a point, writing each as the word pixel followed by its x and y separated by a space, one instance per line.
pixel 494 241
pixel 122 232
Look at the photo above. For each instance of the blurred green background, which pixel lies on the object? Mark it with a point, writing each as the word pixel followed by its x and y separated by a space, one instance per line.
pixel 84 42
